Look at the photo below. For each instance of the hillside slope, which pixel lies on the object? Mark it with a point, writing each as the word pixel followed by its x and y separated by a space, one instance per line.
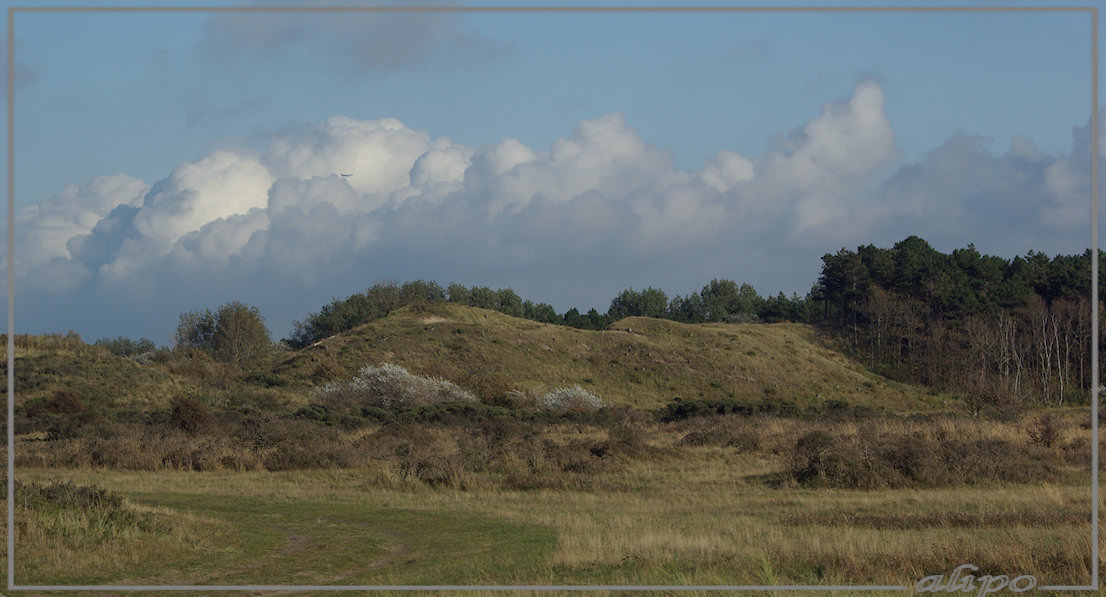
pixel 101 381
pixel 638 362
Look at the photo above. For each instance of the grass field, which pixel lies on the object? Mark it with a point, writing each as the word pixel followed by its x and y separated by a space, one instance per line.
pixel 681 515
pixel 184 471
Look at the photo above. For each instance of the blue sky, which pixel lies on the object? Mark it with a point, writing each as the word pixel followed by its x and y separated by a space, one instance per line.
pixel 167 162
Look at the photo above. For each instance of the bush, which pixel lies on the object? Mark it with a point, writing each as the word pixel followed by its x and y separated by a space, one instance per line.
pixel 868 461
pixel 744 441
pixel 63 402
pixel 188 414
pixel 1044 431
pixel 680 409
pixel 574 398
pixel 125 347
pixel 561 400
pixel 391 387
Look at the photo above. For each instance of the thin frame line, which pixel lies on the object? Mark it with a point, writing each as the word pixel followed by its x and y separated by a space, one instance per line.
pixel 460 588
pixel 564 9
pixel 10 280
pixel 1094 296
pixel 875 9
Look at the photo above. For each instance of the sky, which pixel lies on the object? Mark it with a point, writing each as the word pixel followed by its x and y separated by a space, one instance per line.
pixel 166 162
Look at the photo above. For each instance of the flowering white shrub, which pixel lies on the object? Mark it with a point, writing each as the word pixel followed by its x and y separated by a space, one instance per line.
pixel 392 387
pixel 574 398
pixel 561 399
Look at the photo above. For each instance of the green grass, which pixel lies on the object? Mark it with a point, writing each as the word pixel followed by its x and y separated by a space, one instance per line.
pixel 700 524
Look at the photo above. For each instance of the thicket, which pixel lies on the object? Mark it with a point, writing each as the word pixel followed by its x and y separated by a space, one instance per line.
pixel 469 445
pixel 826 459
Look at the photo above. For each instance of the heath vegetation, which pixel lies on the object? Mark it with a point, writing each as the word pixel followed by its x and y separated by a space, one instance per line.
pixel 914 412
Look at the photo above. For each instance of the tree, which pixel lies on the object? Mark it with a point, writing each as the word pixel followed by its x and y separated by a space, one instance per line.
pixel 687 309
pixel 458 293
pixel 241 337
pixel 420 291
pixel 541 312
pixel 720 299
pixel 654 302
pixel 508 302
pixel 383 298
pixel 482 297
pixel 748 301
pixel 628 303
pixel 196 330
pixel 235 334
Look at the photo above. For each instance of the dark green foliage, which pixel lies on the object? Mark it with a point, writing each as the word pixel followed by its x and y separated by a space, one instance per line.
pixel 315 412
pixel 1004 333
pixel 508 302
pixel 680 409
pixel 541 312
pixel 125 347
pixel 650 302
pixel 421 291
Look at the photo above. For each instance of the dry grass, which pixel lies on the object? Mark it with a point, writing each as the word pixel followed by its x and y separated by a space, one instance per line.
pixel 638 362
pixel 721 531
pixel 638 504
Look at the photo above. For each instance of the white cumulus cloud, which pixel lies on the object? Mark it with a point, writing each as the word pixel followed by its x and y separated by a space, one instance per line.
pixel 599 210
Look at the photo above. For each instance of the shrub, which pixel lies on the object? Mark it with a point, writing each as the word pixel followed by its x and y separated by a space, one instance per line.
pixel 188 414
pixel 817 459
pixel 1044 431
pixel 327 370
pixel 491 387
pixel 391 387
pixel 680 409
pixel 64 402
pixel 574 398
pixel 561 400
pixel 125 347
pixel 746 440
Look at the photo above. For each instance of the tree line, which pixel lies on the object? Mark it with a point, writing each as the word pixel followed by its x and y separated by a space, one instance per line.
pixel 1002 332
pixel 719 301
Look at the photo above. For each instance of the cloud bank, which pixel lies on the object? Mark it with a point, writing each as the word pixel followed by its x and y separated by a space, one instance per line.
pixel 598 211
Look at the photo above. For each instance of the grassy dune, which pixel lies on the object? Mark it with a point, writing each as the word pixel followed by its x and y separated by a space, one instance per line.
pixel 637 362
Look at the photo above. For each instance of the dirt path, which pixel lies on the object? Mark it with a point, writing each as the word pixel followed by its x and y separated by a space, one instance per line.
pixel 293 543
